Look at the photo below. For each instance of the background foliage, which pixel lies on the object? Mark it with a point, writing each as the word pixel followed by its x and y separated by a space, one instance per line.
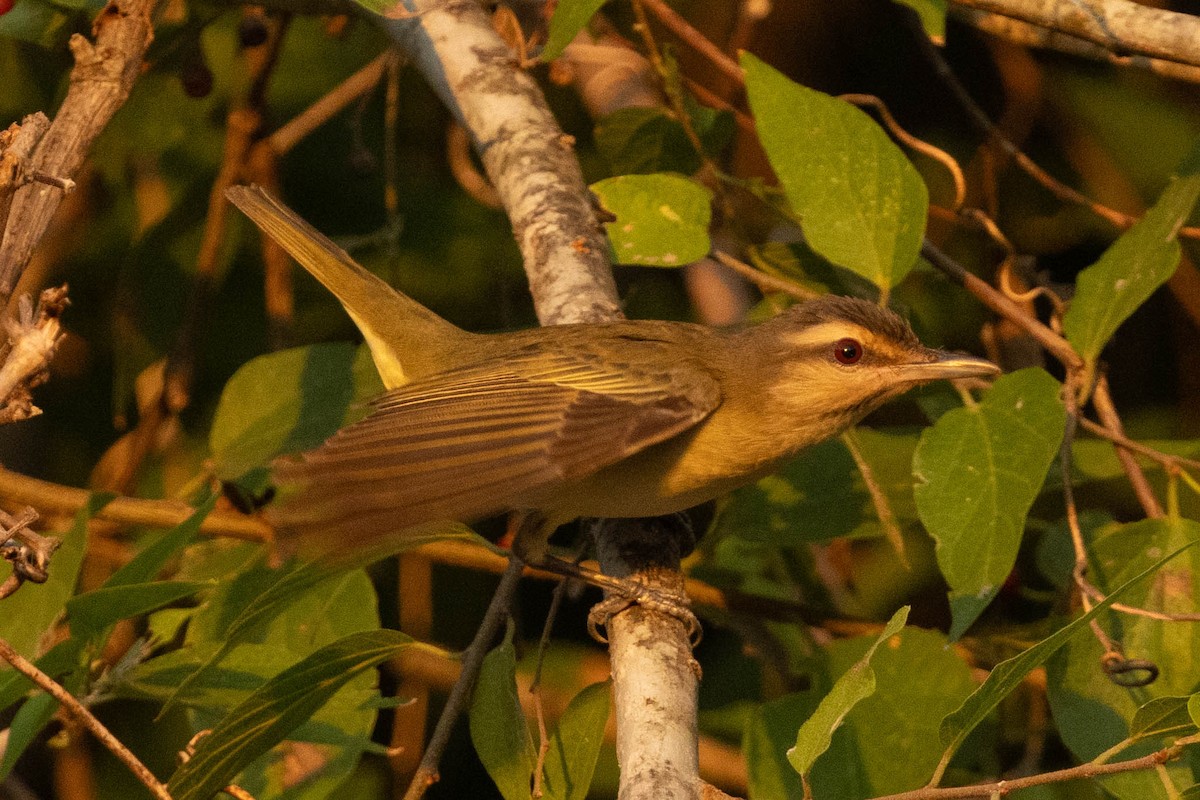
pixel 954 504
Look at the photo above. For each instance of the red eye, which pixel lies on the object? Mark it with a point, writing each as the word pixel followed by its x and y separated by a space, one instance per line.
pixel 847 351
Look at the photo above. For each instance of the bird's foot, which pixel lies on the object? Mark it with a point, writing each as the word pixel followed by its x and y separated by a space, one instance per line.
pixel 623 593
pixel 603 612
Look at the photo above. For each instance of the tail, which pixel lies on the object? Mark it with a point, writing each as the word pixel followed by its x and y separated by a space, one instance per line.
pixel 406 339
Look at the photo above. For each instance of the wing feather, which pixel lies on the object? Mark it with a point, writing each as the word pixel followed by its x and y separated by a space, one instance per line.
pixel 472 442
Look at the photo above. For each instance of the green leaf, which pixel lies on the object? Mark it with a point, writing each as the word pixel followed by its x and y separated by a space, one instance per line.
pixel 569 18
pixel 821 495
pixel 857 684
pixel 1008 674
pixel 932 14
pixel 1129 271
pixel 143 567
pixel 575 743
pixel 1163 716
pixel 1194 709
pixel 498 728
pixel 919 679
pixel 860 202
pixel 662 219
pixel 266 717
pixel 31 718
pixel 770 731
pixel 288 401
pixel 92 612
pixel 636 141
pixel 29 612
pixel 978 471
pixel 278 591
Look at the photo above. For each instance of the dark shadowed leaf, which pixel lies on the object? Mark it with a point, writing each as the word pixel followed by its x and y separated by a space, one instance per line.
pixel 498 728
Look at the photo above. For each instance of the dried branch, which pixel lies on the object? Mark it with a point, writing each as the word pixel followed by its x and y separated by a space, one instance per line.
pixel 100 82
pixel 32 340
pixel 1107 411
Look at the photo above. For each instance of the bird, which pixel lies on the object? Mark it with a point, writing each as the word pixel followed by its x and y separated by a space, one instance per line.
pixel 631 418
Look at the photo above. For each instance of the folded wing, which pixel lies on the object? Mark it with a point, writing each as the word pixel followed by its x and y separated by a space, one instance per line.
pixel 472 442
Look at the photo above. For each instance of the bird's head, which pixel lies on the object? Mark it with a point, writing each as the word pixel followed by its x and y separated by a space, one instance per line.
pixel 838 358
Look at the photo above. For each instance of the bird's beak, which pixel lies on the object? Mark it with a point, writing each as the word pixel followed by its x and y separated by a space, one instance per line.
pixel 947 366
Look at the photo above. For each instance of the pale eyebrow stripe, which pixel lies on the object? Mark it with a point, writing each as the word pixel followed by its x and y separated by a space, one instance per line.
pixel 824 333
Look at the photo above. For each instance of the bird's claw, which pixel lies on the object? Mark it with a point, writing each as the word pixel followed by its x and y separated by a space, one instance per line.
pixel 601 613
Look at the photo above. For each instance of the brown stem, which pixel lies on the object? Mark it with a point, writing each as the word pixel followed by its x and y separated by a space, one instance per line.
pixel 1107 411
pixel 1001 788
pixel 84 717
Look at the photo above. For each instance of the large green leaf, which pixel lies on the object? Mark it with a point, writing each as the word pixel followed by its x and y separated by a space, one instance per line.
pixel 978 470
pixel 662 219
pixel 861 203
pixel 288 401
pixel 273 711
pixel 918 681
pixel 498 728
pixel 1129 271
pixel 575 743
pixel 857 684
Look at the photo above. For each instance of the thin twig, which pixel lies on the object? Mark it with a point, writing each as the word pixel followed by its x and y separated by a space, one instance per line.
pixel 1107 411
pixel 460 695
pixel 54 498
pixel 764 281
pixel 920 145
pixel 1166 459
pixel 1001 788
pixel 998 302
pixel 984 125
pixel 679 26
pixel 879 499
pixel 77 711
pixel 287 136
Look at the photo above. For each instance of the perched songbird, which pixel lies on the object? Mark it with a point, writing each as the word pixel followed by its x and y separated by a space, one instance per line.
pixel 622 419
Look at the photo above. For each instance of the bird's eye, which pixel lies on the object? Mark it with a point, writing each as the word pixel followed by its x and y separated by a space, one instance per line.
pixel 847 351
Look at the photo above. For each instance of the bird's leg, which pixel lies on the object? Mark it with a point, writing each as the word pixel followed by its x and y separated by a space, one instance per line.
pixel 530 546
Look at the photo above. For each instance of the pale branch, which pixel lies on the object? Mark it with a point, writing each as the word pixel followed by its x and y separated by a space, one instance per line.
pixel 1121 26
pixel 528 158
pixel 76 710
pixel 99 84
pixel 1029 35
pixel 16 146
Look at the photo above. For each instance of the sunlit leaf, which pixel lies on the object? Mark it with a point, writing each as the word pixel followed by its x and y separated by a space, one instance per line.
pixel 498 728
pixel 1163 716
pixel 978 471
pixel 662 219
pixel 575 743
pixel 857 684
pixel 860 202
pixel 1129 271
pixel 273 711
